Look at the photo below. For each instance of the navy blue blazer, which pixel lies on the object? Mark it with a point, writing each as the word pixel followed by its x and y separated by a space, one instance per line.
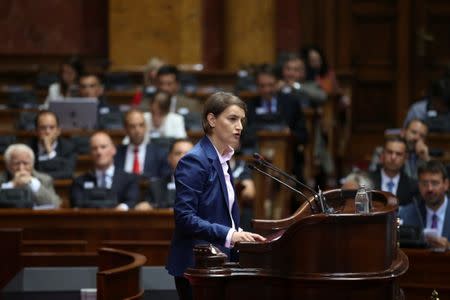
pixel 415 214
pixel 155 163
pixel 125 187
pixel 201 207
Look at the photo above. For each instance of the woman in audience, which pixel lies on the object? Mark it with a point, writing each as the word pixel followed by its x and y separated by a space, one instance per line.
pixel 67 86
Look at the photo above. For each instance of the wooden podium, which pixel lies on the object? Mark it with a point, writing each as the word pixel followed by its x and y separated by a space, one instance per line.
pixel 341 255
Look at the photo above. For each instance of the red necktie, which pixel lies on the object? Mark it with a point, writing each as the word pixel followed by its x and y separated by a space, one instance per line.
pixel 136 167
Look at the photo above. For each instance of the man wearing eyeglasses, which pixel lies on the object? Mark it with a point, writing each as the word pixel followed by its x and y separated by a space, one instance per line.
pixel 54 155
pixel 430 211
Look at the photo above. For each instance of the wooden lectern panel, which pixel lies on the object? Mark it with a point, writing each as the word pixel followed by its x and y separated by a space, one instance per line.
pixel 339 255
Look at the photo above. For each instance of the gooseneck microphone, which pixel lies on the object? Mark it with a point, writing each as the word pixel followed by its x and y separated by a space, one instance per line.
pixel 262 161
pixel 318 196
pixel 253 167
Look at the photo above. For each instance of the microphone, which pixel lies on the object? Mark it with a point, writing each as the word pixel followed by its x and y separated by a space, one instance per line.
pixel 253 167
pixel 262 161
pixel 319 197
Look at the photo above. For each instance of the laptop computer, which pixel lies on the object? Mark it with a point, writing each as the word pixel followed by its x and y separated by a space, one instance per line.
pixel 76 112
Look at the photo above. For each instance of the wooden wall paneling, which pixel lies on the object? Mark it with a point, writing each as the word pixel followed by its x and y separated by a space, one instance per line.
pixel 404 69
pixel 190 31
pixel 430 43
pixel 213 28
pixel 287 25
pixel 139 30
pixel 249 36
pixel 374 45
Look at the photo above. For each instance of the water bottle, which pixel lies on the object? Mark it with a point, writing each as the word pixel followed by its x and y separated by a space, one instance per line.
pixel 362 202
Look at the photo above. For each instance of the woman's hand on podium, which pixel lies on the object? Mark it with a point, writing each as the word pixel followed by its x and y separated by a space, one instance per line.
pixel 245 236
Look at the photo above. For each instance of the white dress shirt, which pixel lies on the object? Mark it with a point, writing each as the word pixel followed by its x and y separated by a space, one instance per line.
pixel 43 155
pixel 230 191
pixel 109 179
pixel 385 179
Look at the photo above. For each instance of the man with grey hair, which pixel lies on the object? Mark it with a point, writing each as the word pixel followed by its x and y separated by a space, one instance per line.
pixel 19 161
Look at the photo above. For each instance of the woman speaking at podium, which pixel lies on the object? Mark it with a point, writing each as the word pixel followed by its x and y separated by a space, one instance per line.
pixel 206 209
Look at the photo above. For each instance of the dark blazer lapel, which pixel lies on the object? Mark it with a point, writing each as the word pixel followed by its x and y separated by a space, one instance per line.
pixel 446 227
pixel 212 156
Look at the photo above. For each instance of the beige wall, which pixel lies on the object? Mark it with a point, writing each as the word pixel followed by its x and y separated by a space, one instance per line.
pixel 249 32
pixel 139 30
pixel 172 30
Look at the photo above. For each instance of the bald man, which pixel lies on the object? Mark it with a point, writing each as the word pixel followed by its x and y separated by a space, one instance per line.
pixel 122 187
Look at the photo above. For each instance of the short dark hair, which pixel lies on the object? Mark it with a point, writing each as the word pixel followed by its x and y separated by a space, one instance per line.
pixel 45 112
pixel 163 101
pixel 99 78
pixel 169 70
pixel 176 141
pixel 265 69
pixel 216 104
pixel 129 112
pixel 415 120
pixel 432 166
pixel 395 138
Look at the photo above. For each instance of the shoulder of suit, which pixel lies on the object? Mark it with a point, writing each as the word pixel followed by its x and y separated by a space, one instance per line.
pixel 41 176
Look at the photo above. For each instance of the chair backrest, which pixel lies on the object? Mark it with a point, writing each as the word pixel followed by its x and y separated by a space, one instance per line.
pixel 5 141
pixel 111 120
pixel 22 99
pixel 15 198
pixel 81 144
pixel 26 120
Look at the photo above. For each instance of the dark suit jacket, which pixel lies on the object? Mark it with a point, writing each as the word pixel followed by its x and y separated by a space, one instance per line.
pixel 155 164
pixel 406 190
pixel 415 214
pixel 201 206
pixel 289 114
pixel 62 165
pixel 159 193
pixel 125 188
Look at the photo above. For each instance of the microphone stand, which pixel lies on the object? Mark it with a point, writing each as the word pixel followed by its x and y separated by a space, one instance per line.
pixel 318 196
pixel 253 167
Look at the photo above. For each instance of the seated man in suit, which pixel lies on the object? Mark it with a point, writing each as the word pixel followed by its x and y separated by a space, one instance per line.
pixel 55 155
pixel 168 81
pixel 19 160
pixel 162 190
pixel 275 111
pixel 431 210
pixel 140 157
pixel 391 177
pixel 122 187
pixel 91 87
pixel 414 133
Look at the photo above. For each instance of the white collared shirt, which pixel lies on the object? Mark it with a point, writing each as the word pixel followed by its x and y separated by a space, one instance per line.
pixel 440 213
pixel 129 157
pixel 43 155
pixel 230 191
pixel 109 176
pixel 385 179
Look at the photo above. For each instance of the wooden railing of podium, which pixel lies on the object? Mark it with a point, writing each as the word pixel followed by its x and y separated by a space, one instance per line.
pixel 311 256
pixel 118 275
pixel 50 237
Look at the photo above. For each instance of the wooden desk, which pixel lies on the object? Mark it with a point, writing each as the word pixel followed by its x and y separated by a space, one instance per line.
pixel 83 231
pixel 427 271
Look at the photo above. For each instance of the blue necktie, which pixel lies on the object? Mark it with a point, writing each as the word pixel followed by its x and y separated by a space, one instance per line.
pixel 390 186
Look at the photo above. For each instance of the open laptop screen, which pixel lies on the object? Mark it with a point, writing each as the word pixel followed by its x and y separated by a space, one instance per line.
pixel 75 113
